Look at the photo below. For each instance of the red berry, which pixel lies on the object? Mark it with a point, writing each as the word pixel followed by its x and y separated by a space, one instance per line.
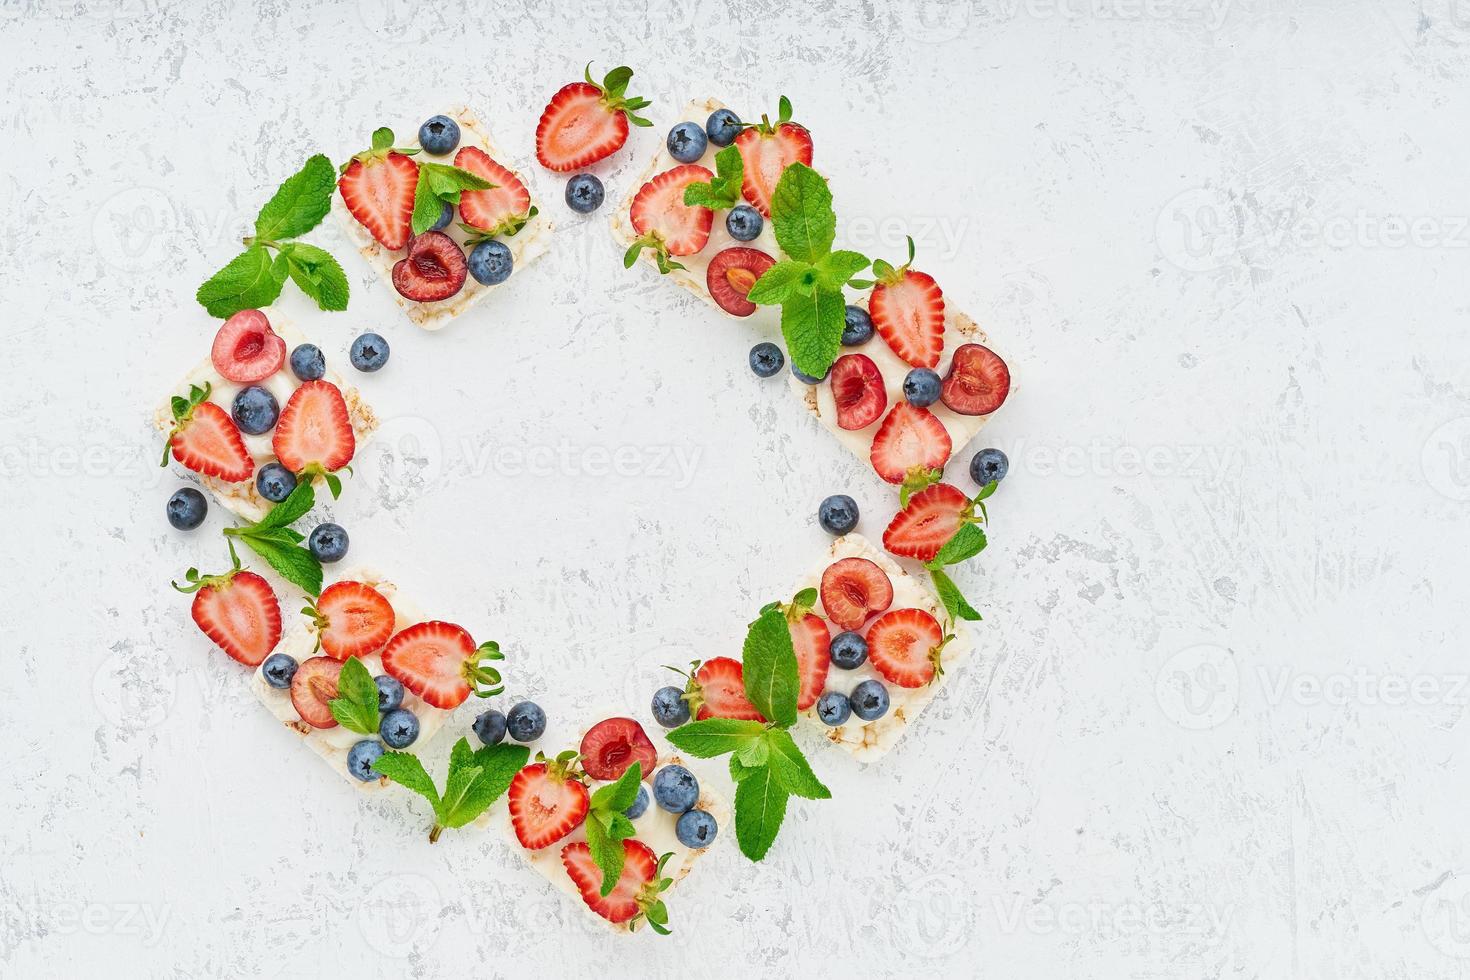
pixel 908 312
pixel 239 612
pixel 854 589
pixel 500 210
pixel 932 517
pixel 354 620
pixel 246 349
pixel 314 429
pixel 858 391
pixel 434 268
pixel 207 440
pixel 766 152
pixel 585 122
pixel 978 381
pixel 378 189
pixel 904 646
pixel 635 890
pixel 662 219
pixel 546 801
pixel 720 691
pixel 437 661
pixel 614 744
pixel 910 438
pixel 730 275
pixel 312 687
pixel 812 643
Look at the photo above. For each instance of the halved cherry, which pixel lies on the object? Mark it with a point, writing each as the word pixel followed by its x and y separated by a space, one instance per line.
pixel 313 686
pixel 978 381
pixel 433 269
pixel 246 349
pixel 857 389
pixel 854 589
pixel 731 274
pixel 614 744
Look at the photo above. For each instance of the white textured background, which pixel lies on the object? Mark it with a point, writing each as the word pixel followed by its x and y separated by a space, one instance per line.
pixel 1219 727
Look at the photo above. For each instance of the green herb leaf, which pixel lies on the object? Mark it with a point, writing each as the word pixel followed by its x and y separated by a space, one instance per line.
pixel 317 274
pixel 291 561
pixel 812 325
pixel 781 281
pixel 356 704
pixel 835 269
pixel 954 600
pixel 498 765
pixel 790 768
pixel 440 184
pixel 770 668
pixel 296 506
pixel 963 545
pixel 251 280
pixel 300 204
pixel 760 807
pixel 801 213
pixel 723 192
pixel 714 736
pixel 618 796
pixel 405 769
pixel 607 826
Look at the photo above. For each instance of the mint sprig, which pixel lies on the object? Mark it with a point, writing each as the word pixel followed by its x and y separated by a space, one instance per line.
pixel 808 283
pixel 723 192
pixel 475 780
pixel 964 544
pixel 356 704
pixel 607 826
pixel 765 762
pixel 273 539
pixel 441 184
pixel 254 278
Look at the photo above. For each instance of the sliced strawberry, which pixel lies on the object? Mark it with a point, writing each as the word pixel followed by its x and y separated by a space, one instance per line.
pixel 909 439
pixel 614 744
pixel 904 646
pixel 238 611
pixel 585 122
pixel 314 430
pixel 378 188
pixel 353 620
pixel 547 801
pixel 766 150
pixel 978 381
pixel 718 691
pixel 812 640
pixel 440 663
pixel 312 687
pixel 664 222
pixel 503 209
pixel 434 268
pixel 730 275
pixel 206 440
pixel 637 889
pixel 932 517
pixel 858 391
pixel 854 589
pixel 246 349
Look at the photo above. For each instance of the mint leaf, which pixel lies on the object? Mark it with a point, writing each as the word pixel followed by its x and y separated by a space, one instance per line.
pixel 405 769
pixel 441 184
pixel 954 600
pixel 618 796
pixel 291 561
pixel 317 274
pixel 790 768
pixel 781 281
pixel 723 192
pixel 356 704
pixel 812 326
pixel 802 215
pixel 296 506
pixel 250 281
pixel 834 270
pixel 300 204
pixel 426 206
pixel 760 807
pixel 739 770
pixel 963 545
pixel 714 736
pixel 770 668
pixel 498 765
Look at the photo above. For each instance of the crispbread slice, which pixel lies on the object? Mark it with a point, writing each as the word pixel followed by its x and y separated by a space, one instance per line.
pixel 528 244
pixel 242 498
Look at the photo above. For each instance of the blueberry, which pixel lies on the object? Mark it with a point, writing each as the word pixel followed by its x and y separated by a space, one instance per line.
pixel 766 359
pixel 526 722
pixel 669 707
pixel 446 215
pixel 275 482
pixel 439 135
pixel 989 466
pixel 807 379
pixel 722 127
pixel 328 542
pixel 278 670
pixel 490 727
pixel 869 700
pixel 857 327
pixel 307 362
pixel 255 410
pixel 921 387
pixel 833 708
pixel 838 514
pixel 687 142
pixel 369 352
pixel 640 804
pixel 186 509
pixel 744 223
pixel 361 756
pixel 390 692
pixel 490 262
pixel 675 789
pixel 584 193
pixel 696 829
pixel 399 728
pixel 848 650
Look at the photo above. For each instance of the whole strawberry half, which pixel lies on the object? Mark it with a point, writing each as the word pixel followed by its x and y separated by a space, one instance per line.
pixel 910 440
pixel 238 611
pixel 585 122
pixel 503 209
pixel 854 589
pixel 440 663
pixel 547 800
pixel 857 391
pixel 664 222
pixel 614 744
pixel 246 349
pixel 314 433
pixel 638 888
pixel 978 381
pixel 766 149
pixel 730 275
pixel 907 308
pixel 205 439
pixel 812 642
pixel 313 688
pixel 352 619
pixel 434 268
pixel 717 690
pixel 378 185
pixel 905 646
pixel 932 517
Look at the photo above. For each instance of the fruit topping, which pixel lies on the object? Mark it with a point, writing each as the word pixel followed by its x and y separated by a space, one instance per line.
pixel 314 432
pixel 440 663
pixel 547 800
pixel 905 646
pixel 849 650
pixel 909 440
pixel 186 508
pixel 932 517
pixel 838 513
pixel 812 642
pixel 439 135
pixel 274 482
pixel 246 349
pixel 585 122
pixel 833 708
pixel 978 381
pixel 254 410
pixel 696 828
pixel 399 728
pixel 237 610
pixel 278 669
pixel 526 722
pixel 730 275
pixel 675 789
pixel 669 707
pixel 390 692
pixel 664 222
pixel 307 362
pixel 584 193
pixel 434 268
pixel 637 891
pixel 328 542
pixel 614 744
pixel 352 619
pixel 921 387
pixel 687 142
pixel 854 589
pixel 491 262
pixel 722 127
pixel 857 326
pixel 369 352
pixel 314 688
pixel 360 759
pixel 869 700
pixel 907 308
pixel 378 185
pixel 501 210
pixel 205 439
pixel 717 690
pixel 768 148
pixel 858 391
